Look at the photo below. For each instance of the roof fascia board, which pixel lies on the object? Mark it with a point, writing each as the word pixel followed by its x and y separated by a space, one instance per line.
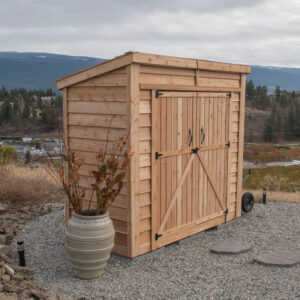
pixel 169 61
pixel 94 71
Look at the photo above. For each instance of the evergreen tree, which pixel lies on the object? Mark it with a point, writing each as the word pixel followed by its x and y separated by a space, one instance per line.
pixel 268 132
pixel 283 100
pixel 6 112
pixel 292 120
pixel 297 120
pixel 27 157
pixel 278 123
pixel 287 130
pixel 277 92
pixel 250 90
pixel 26 111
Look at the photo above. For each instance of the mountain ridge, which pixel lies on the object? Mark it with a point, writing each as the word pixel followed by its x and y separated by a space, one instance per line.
pixel 39 70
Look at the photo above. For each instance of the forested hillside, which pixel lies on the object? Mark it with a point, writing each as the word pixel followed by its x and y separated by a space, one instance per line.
pixel 29 111
pixel 271 118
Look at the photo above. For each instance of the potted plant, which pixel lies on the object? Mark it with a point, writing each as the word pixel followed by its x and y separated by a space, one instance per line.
pixel 90 232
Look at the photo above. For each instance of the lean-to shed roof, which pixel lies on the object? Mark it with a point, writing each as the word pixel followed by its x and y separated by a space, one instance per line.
pixel 148 59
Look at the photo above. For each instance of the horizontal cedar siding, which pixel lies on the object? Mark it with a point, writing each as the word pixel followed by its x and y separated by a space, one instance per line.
pixel 144 193
pixel 95 93
pixel 93 106
pixel 183 77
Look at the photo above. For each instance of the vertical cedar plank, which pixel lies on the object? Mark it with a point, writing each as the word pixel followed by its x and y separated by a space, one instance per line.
pixel 206 127
pixel 184 157
pixel 229 157
pixel 174 158
pixel 241 145
pixel 163 164
pixel 200 110
pixel 158 198
pixel 154 179
pixel 194 176
pixel 179 159
pixel 211 195
pixel 66 146
pixel 223 151
pixel 168 187
pixel 133 71
pixel 216 152
pixel 190 173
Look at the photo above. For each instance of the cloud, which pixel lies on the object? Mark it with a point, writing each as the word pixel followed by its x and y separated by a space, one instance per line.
pixel 255 32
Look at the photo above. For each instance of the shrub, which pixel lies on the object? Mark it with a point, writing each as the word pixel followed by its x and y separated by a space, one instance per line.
pixel 7 154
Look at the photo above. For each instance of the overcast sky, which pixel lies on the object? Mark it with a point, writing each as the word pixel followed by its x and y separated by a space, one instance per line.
pixel 263 32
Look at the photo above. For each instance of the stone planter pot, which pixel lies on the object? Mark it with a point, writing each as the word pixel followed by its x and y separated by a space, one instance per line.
pixel 89 241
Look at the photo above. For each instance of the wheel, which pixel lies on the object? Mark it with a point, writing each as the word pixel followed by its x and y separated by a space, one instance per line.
pixel 247 202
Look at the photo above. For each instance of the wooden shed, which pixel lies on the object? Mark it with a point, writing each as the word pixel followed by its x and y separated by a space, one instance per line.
pixel 186 120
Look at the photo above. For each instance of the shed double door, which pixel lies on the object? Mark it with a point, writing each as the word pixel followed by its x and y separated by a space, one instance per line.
pixel 191 161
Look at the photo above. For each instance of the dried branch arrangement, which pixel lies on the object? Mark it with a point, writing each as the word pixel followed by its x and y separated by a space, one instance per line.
pixel 111 164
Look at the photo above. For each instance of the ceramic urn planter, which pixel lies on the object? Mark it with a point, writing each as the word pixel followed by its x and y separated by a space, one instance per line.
pixel 89 241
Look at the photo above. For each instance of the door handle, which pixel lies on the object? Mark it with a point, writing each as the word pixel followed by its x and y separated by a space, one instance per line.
pixel 202 135
pixel 191 137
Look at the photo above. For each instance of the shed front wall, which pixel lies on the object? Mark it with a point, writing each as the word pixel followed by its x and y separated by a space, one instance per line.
pixel 150 75
pixel 90 107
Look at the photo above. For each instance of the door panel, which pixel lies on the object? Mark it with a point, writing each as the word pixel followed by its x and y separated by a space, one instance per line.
pixel 191 160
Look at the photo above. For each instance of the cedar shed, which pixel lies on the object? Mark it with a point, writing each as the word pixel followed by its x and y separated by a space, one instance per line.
pixel 186 121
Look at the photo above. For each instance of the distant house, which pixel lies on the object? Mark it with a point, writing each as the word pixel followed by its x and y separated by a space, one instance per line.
pixel 27 140
pixel 11 103
pixel 38 113
pixel 47 99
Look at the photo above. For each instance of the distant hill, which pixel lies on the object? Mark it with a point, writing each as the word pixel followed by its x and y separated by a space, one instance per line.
pixel 40 70
pixel 286 78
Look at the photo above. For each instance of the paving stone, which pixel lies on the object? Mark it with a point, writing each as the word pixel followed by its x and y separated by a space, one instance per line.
pixel 284 258
pixel 231 247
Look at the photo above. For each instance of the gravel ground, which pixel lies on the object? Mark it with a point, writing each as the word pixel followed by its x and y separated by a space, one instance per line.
pixel 179 271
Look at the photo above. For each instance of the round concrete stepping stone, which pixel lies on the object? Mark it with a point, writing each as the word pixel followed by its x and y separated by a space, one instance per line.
pixel 284 258
pixel 231 247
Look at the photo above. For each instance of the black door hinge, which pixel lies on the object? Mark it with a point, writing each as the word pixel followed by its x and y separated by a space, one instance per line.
pixel 229 94
pixel 158 155
pixel 228 144
pixel 158 93
pixel 226 211
pixel 157 236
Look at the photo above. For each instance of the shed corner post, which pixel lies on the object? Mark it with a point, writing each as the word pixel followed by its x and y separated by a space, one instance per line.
pixel 133 72
pixel 241 146
pixel 66 143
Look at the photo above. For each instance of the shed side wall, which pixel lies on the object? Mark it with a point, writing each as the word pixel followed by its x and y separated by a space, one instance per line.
pixel 92 104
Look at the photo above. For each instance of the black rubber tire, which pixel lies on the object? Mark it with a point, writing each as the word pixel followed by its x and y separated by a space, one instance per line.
pixel 247 202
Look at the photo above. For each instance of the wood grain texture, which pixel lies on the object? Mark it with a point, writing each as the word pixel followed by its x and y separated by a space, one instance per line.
pixel 94 71
pixel 86 93
pixel 133 124
pixel 241 144
pixel 68 210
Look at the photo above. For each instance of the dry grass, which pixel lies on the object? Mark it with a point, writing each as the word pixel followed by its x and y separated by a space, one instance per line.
pixel 276 196
pixel 275 179
pixel 21 185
